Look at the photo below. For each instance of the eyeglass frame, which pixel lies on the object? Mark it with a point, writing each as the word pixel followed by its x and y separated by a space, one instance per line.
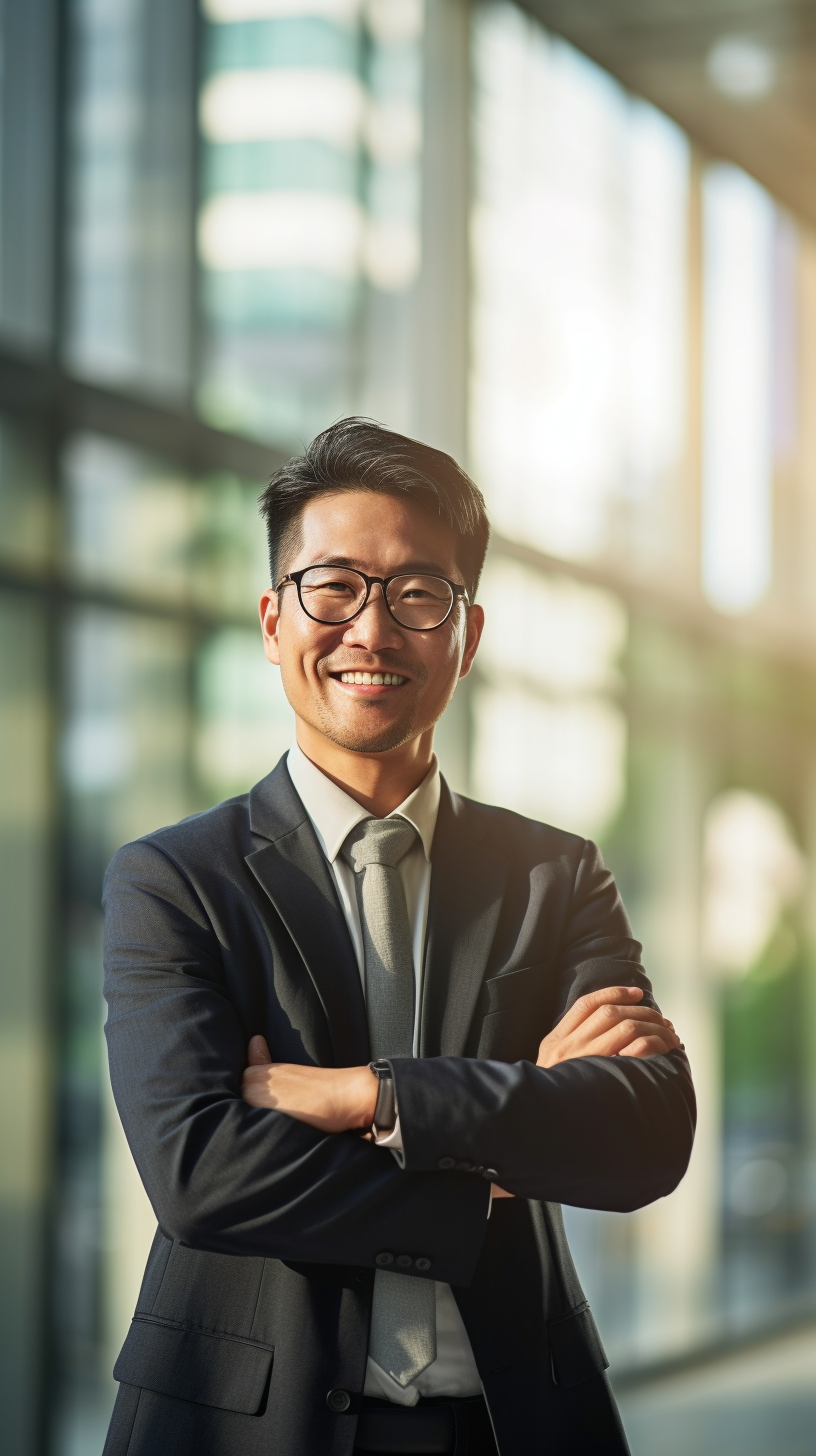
pixel 294 578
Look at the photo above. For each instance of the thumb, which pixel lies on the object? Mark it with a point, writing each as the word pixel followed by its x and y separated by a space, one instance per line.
pixel 258 1052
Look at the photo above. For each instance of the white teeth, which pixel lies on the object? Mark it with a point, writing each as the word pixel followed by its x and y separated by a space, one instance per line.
pixel 375 679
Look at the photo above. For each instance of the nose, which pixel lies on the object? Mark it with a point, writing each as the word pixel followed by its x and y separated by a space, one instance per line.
pixel 375 628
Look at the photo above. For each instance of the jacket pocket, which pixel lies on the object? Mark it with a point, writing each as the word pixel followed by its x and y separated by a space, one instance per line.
pixel 512 1018
pixel 575 1347
pixel 522 987
pixel 210 1369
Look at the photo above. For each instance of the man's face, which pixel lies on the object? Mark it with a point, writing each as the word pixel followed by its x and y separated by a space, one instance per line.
pixel 380 535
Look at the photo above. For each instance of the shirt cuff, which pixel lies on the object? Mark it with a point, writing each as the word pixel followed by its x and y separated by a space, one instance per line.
pixel 391 1139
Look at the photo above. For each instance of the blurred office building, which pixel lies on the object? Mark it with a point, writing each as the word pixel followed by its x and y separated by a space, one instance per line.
pixel 591 279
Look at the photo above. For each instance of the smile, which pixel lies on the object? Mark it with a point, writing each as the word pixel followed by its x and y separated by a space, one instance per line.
pixel 372 679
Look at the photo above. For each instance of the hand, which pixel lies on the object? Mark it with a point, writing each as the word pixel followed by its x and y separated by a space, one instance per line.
pixel 332 1099
pixel 608 1023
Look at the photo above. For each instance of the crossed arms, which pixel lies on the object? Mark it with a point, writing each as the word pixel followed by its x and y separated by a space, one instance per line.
pixel 603 1023
pixel 593 1129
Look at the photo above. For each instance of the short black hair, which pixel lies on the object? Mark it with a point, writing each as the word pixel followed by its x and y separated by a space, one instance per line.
pixel 359 454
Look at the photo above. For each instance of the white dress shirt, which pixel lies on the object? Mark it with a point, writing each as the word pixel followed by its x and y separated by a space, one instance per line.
pixel 334 814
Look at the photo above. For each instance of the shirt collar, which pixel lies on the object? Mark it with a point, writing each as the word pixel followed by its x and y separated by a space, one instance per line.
pixel 334 813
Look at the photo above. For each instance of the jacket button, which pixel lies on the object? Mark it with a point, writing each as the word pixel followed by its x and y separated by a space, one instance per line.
pixel 492 1174
pixel 404 1261
pixel 446 1163
pixel 384 1259
pixel 338 1400
pixel 464 1166
pixel 423 1263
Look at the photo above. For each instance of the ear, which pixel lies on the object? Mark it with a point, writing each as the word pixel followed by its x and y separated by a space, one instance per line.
pixel 269 609
pixel 473 634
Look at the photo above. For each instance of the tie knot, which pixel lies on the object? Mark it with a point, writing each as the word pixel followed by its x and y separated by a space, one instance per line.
pixel 379 841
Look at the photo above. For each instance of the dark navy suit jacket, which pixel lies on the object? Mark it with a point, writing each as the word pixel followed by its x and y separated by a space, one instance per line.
pixel 251 1330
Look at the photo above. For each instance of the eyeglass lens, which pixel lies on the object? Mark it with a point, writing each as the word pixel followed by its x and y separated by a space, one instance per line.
pixel 335 594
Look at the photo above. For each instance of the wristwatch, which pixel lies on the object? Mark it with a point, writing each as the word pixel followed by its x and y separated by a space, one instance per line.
pixel 385 1112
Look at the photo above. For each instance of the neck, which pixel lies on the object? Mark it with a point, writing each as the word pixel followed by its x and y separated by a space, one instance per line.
pixel 378 781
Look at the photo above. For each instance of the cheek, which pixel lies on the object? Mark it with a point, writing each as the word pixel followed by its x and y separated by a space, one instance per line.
pixel 445 663
pixel 300 657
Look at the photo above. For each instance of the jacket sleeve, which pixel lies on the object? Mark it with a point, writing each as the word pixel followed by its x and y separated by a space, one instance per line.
pixel 597 1132
pixel 222 1175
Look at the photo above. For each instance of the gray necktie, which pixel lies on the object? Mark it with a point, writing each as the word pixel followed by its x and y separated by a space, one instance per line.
pixel 403 1317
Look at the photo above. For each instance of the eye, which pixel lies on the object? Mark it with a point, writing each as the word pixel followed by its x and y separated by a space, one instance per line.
pixel 423 589
pixel 335 586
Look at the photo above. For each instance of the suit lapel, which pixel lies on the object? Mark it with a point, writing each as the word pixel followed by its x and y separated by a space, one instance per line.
pixel 293 872
pixel 467 884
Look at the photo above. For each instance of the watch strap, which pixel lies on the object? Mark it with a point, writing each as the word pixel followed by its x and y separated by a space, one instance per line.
pixel 385 1112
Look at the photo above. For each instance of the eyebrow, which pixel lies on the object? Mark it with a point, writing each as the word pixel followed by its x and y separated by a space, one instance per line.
pixel 431 568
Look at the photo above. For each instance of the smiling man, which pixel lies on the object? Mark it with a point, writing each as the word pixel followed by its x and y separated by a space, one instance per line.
pixel 366 1036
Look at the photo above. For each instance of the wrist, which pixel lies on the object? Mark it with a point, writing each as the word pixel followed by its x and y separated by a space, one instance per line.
pixel 365 1097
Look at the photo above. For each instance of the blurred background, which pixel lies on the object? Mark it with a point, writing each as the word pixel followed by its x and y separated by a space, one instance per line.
pixel 574 245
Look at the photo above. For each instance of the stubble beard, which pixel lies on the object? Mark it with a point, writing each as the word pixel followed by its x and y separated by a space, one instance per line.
pixel 356 740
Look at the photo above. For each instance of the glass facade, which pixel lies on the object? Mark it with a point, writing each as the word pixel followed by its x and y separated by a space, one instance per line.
pixel 263 214
pixel 308 226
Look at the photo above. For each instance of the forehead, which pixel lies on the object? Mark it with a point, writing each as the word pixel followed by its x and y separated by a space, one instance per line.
pixel 379 533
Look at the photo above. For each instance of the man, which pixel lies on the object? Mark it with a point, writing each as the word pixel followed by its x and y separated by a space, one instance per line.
pixel 447 1029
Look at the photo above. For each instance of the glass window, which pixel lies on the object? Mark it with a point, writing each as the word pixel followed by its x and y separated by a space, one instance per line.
pixel 740 225
pixel 129 192
pixel 124 758
pixel 26 500
pixel 311 137
pixel 549 735
pixel 136 525
pixel 26 1009
pixel 579 311
pixel 128 519
pixel 243 722
pixel 28 134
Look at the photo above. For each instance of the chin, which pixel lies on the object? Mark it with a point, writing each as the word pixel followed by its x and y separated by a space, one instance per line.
pixel 366 737
pixel 368 742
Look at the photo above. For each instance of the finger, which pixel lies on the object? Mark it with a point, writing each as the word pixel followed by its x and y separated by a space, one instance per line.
pixel 258 1051
pixel 608 1017
pixel 625 1034
pixel 498 1192
pixel 649 1046
pixel 586 1005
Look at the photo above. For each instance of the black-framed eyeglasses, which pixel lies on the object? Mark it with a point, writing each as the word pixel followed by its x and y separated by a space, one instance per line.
pixel 335 594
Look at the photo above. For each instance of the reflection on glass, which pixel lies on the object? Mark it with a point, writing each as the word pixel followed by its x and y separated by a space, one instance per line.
pixel 579 312
pixel 124 759
pixel 739 226
pixel 549 737
pixel 128 519
pixel 134 525
pixel 755 876
pixel 243 722
pixel 25 1009
pixel 753 873
pixel 552 631
pixel 129 192
pixel 311 130
pixel 26 515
